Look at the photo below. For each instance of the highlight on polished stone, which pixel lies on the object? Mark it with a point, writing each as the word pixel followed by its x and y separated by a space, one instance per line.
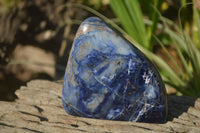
pixel 109 78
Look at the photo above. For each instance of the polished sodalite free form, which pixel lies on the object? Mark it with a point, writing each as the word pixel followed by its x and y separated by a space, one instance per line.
pixel 108 78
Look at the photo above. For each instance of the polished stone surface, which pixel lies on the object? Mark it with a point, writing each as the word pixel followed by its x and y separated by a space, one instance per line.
pixel 108 78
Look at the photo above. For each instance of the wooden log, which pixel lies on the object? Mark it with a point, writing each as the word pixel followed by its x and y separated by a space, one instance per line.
pixel 39 109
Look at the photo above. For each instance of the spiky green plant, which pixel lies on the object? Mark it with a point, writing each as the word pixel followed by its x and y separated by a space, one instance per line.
pixel 185 81
pixel 131 17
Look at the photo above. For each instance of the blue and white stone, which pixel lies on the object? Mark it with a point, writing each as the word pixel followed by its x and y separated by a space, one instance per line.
pixel 108 78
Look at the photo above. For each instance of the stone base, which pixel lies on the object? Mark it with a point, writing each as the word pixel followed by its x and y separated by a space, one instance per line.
pixel 39 109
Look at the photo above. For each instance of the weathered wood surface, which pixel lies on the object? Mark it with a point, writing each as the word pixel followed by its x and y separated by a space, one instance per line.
pixel 39 109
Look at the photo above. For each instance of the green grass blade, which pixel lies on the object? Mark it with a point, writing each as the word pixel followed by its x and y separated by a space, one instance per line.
pixel 154 18
pixel 171 76
pixel 171 58
pixel 178 41
pixel 197 19
pixel 137 21
pixel 121 12
pixel 131 19
pixel 193 54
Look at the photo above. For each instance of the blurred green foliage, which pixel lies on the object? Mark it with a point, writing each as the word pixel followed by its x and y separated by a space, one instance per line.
pixel 143 24
pixel 130 15
pixel 9 3
pixel 184 36
pixel 5 5
pixel 97 4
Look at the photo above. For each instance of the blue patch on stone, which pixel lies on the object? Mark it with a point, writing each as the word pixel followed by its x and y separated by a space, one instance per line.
pixel 108 78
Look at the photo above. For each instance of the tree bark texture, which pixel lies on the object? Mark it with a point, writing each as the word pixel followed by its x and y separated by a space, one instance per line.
pixel 38 109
